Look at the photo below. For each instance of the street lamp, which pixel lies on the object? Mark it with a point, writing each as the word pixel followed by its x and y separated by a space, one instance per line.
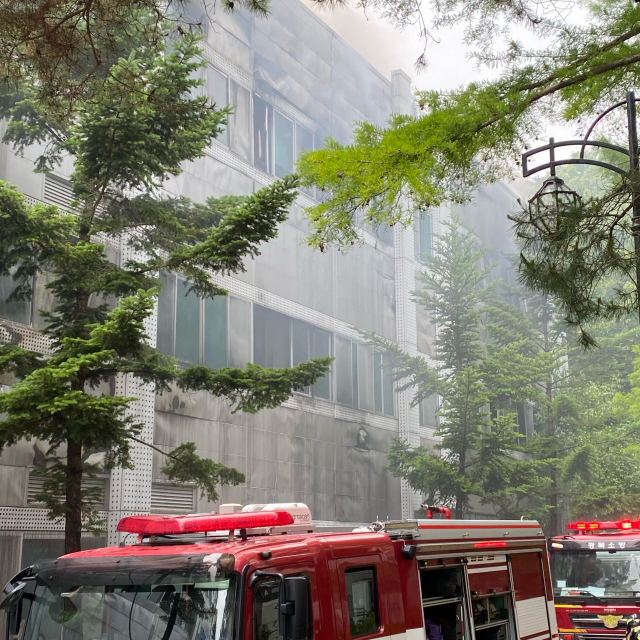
pixel 554 195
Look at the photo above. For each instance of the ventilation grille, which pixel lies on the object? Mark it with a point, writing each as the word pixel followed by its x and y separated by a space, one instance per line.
pixel 57 190
pixel 165 498
pixel 35 487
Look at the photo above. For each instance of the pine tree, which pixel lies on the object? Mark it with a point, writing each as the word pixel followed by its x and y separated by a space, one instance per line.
pixel 479 385
pixel 127 135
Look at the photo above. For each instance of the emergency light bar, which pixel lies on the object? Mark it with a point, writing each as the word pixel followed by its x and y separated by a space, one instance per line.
pixel 625 525
pixel 202 523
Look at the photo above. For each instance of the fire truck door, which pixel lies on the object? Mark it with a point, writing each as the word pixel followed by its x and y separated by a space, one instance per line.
pixel 532 607
pixel 261 609
pixel 362 597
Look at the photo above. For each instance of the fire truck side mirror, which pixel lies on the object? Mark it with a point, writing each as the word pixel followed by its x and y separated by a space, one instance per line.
pixel 294 608
pixel 409 551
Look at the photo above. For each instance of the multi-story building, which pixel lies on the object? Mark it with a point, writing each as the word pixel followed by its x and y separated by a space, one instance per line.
pixel 293 82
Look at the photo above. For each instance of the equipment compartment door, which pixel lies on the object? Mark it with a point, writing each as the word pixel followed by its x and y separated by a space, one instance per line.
pixel 531 601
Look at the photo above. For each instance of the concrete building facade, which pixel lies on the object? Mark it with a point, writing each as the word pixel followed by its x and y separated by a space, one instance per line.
pixel 293 82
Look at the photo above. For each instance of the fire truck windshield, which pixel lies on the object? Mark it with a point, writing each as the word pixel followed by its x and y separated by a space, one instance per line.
pixel 596 574
pixel 133 603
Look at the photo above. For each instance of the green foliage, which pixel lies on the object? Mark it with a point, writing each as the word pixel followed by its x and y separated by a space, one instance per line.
pixel 184 465
pixel 127 134
pixel 476 452
pixel 68 48
pixel 477 133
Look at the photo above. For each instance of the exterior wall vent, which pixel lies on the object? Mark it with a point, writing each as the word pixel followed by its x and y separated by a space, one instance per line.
pixel 165 498
pixel 57 190
pixel 34 487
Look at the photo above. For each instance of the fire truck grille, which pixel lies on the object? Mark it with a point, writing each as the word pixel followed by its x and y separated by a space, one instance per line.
pixel 592 621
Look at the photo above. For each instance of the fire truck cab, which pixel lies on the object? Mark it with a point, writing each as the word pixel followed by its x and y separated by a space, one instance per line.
pixel 263 573
pixel 596 578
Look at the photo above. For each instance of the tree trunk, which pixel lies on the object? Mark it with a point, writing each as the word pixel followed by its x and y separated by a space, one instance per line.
pixel 73 516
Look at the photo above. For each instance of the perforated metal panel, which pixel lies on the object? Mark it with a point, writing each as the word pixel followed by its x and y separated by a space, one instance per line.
pixel 407 336
pixel 28 519
pixel 25 337
pixel 130 489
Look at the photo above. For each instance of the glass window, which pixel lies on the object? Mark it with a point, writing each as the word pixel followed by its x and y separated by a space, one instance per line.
pixel 195 611
pixel 596 573
pixel 283 145
pixel 215 332
pixel 304 142
pixel 321 348
pixel 262 125
pixel 240 120
pixel 362 599
pixel 383 381
pixel 354 371
pixel 187 324
pixel 343 369
pixel 218 91
pixel 365 371
pixel 309 342
pixel 425 235
pixel 271 338
pixel 18 310
pixel 166 314
pixel 300 346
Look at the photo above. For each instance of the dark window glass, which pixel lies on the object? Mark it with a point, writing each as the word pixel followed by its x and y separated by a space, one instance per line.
pixel 262 125
pixel 166 314
pixel 344 375
pixel 271 338
pixel 387 386
pixel 377 381
pixel 283 145
pixel 304 142
pixel 362 599
pixel 215 332
pixel 218 91
pixel 321 348
pixel 300 345
pixel 354 371
pixel 309 342
pixel 187 325
pixel 16 311
pixel 425 235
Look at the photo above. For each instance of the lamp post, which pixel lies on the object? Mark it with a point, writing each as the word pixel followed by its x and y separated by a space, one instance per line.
pixel 554 193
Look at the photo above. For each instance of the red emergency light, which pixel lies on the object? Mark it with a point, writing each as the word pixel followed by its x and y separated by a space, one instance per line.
pixel 625 525
pixel 201 523
pixel 486 545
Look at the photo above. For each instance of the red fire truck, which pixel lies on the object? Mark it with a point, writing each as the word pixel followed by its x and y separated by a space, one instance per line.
pixel 596 578
pixel 263 573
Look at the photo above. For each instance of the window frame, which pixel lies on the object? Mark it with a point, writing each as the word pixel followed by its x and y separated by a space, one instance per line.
pixel 228 85
pixel 178 279
pixel 423 216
